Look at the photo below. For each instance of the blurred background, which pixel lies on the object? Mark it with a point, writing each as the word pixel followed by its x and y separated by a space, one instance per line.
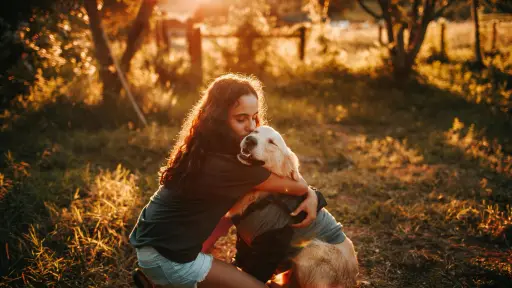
pixel 409 101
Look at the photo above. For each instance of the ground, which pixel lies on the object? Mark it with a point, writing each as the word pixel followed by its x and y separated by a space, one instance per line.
pixel 419 174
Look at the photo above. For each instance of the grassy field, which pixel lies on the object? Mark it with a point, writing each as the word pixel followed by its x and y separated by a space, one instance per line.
pixel 420 174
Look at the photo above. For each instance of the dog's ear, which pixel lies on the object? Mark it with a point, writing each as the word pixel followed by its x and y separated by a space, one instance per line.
pixel 291 165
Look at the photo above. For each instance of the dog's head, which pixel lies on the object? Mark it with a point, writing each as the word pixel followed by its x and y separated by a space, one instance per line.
pixel 265 146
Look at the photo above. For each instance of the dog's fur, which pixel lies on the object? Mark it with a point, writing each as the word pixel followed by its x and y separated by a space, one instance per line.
pixel 319 264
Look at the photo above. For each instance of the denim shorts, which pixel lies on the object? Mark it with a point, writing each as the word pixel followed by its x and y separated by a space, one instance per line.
pixel 164 272
pixel 325 228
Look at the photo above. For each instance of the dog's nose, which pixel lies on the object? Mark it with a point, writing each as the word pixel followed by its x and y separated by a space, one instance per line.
pixel 250 142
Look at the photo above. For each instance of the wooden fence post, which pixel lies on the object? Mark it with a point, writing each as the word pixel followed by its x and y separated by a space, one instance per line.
pixel 195 51
pixel 158 33
pixel 246 34
pixel 302 43
pixel 162 38
pixel 494 35
pixel 442 42
pixel 380 34
pixel 166 37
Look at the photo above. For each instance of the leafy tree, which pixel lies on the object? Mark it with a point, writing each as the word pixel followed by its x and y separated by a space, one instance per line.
pixel 14 14
pixel 500 6
pixel 406 17
pixel 107 70
pixel 49 39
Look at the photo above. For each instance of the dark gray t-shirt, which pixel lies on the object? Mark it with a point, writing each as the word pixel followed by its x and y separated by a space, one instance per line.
pixel 177 220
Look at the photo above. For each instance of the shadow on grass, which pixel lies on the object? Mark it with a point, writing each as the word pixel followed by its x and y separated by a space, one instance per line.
pixel 49 155
pixel 415 111
pixel 417 238
pixel 421 114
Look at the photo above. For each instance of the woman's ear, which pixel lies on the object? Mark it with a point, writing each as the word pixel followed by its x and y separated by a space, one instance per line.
pixel 291 164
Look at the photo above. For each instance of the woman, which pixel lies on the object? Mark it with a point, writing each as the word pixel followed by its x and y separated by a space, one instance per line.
pixel 201 182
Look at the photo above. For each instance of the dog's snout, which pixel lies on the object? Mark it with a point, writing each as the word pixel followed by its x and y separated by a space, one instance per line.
pixel 250 142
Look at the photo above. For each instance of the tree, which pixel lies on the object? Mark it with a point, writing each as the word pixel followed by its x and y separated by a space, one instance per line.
pixel 111 83
pixel 406 17
pixel 12 14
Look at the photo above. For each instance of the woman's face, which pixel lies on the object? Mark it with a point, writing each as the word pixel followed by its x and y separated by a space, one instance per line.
pixel 242 115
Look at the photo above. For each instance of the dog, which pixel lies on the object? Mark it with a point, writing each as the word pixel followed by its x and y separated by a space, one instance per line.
pixel 319 264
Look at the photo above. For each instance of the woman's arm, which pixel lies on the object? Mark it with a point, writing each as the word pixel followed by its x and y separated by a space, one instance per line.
pixel 283 185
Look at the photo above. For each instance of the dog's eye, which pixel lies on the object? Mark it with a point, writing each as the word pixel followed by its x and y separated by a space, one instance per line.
pixel 271 142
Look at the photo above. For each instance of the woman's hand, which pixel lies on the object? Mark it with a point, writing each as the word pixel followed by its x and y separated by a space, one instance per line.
pixel 309 206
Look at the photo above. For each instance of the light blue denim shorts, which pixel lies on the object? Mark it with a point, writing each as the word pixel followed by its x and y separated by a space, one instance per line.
pixel 163 271
pixel 325 228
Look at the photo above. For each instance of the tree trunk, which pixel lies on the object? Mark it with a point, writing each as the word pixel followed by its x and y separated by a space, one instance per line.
pixel 421 13
pixel 400 58
pixel 403 55
pixel 111 83
pixel 479 63
pixel 140 24
pixel 135 34
pixel 384 6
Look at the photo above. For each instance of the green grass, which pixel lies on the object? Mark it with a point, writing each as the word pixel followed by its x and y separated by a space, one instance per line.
pixel 419 174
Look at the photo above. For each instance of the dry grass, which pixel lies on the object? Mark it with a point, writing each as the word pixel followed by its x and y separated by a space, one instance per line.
pixel 419 175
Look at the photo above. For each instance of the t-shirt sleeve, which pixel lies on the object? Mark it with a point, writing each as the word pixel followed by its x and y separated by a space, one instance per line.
pixel 230 177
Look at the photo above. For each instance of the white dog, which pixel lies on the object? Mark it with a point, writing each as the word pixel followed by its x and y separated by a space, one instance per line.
pixel 318 264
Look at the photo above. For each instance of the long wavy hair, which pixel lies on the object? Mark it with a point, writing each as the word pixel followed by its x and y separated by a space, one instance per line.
pixel 206 127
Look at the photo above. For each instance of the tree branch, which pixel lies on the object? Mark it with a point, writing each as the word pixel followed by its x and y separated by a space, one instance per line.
pixel 414 23
pixel 415 11
pixel 400 42
pixel 369 11
pixel 428 9
pixel 414 47
pixel 135 34
pixel 386 15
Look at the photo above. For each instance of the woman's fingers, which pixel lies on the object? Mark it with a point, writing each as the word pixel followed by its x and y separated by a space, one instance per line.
pixel 309 206
pixel 309 219
pixel 302 207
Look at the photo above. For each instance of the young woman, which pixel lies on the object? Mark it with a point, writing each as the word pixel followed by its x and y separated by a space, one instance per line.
pixel 201 182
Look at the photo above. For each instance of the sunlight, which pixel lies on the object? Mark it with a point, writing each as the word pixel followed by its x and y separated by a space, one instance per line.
pixel 182 9
pixel 471 142
pixel 411 190
pixel 281 279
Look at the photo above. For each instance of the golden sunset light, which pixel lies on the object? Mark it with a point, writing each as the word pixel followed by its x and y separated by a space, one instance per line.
pixel 256 143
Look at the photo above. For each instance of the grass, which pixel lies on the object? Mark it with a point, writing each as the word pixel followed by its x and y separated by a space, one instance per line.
pixel 419 174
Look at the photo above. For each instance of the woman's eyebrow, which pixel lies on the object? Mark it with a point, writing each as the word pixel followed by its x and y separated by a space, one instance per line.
pixel 244 114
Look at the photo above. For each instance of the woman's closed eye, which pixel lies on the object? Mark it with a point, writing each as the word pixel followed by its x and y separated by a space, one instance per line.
pixel 243 119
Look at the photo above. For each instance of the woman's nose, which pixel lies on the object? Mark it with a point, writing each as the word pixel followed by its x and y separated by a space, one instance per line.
pixel 251 126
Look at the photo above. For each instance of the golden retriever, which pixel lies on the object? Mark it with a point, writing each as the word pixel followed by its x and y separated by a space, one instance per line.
pixel 318 264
